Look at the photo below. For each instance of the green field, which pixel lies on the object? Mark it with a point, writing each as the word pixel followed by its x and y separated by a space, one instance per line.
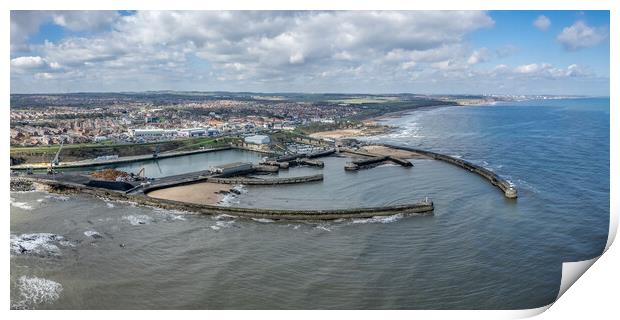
pixel 365 100
pixel 76 152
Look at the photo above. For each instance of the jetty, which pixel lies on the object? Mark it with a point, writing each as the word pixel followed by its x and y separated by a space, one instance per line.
pixel 371 159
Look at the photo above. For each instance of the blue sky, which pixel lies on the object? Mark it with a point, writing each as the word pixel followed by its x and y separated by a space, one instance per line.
pixel 516 28
pixel 497 52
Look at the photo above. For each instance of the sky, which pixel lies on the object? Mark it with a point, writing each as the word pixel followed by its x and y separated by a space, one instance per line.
pixel 427 52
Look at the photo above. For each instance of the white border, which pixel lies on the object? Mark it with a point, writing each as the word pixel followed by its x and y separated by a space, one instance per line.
pixel 597 289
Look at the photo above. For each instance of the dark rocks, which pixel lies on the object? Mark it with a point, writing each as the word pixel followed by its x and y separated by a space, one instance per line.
pixel 21 185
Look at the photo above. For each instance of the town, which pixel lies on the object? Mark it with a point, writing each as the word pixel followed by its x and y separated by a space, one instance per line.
pixel 40 120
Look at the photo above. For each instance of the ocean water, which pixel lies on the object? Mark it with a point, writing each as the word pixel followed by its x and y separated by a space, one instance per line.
pixel 179 165
pixel 479 250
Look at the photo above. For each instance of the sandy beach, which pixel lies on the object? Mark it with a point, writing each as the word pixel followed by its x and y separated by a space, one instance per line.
pixel 199 193
pixel 338 134
pixel 385 151
pixel 370 130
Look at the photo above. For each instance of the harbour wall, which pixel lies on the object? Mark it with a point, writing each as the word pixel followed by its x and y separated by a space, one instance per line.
pixel 425 207
pixel 95 163
pixel 372 159
pixel 509 190
pixel 273 181
pixel 232 180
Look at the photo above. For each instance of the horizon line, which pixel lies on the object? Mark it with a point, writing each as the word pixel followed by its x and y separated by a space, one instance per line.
pixel 313 93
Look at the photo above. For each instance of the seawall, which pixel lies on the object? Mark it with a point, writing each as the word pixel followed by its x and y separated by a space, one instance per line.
pixel 425 207
pixel 509 190
pixel 94 163
pixel 273 181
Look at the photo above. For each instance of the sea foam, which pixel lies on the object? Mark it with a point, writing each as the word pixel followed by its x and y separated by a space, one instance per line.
pixel 378 219
pixel 36 243
pixel 34 291
pixel 21 205
pixel 140 219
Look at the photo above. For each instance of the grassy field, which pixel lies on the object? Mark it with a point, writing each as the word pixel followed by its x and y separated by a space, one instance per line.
pixel 365 100
pixel 75 152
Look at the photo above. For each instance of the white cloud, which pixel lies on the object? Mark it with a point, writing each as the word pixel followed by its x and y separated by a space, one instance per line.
pixel 580 35
pixel 542 23
pixel 84 20
pixel 267 44
pixel 26 23
pixel 530 68
pixel 43 76
pixel 480 55
pixel 251 50
pixel 547 70
pixel 27 62
pixel 408 65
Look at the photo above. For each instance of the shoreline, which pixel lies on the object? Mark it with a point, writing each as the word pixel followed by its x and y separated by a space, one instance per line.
pixel 197 193
pixel 359 132
pixel 398 114
pixel 420 208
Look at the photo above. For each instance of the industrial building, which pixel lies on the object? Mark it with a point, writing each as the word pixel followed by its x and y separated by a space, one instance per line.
pixel 153 133
pixel 193 132
pixel 232 168
pixel 258 139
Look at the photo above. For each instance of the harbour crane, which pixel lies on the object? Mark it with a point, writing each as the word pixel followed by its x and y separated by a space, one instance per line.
pixel 156 152
pixel 56 160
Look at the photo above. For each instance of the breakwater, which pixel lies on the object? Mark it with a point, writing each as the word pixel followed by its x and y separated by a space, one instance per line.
pixel 371 160
pixel 364 163
pixel 272 181
pixel 424 207
pixel 509 190
pixel 292 157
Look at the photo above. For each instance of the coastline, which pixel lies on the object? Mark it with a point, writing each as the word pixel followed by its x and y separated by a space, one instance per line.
pixel 398 114
pixel 368 131
pixel 198 193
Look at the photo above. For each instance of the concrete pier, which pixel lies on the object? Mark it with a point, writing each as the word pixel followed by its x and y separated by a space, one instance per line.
pixel 289 158
pixel 271 181
pixel 293 157
pixel 374 158
pixel 361 163
pixel 310 162
pixel 282 165
pixel 266 168
pixel 321 153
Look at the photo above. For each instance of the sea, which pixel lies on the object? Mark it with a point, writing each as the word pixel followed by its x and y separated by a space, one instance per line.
pixel 479 250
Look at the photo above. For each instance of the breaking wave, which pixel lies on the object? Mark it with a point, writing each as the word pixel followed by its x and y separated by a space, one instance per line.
pixel 43 244
pixel 136 220
pixel 232 197
pixel 171 215
pixel 93 234
pixel 223 224
pixel 57 197
pixel 224 217
pixel 34 291
pixel 21 205
pixel 228 200
pixel 378 219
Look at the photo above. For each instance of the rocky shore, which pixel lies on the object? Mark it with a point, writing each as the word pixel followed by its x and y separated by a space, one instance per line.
pixel 21 185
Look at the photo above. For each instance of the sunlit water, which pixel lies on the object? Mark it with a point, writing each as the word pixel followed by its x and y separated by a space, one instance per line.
pixel 479 250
